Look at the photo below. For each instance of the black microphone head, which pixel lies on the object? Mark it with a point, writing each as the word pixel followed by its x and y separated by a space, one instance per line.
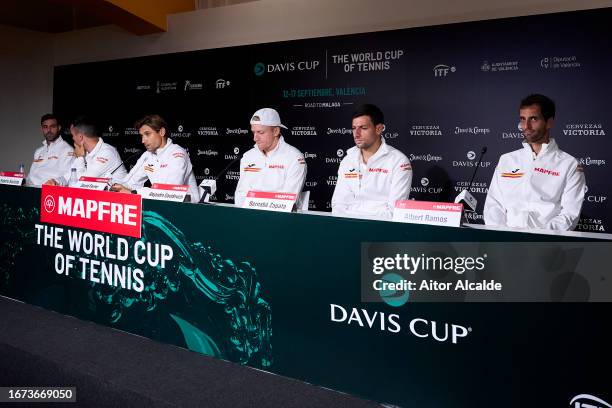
pixel 484 150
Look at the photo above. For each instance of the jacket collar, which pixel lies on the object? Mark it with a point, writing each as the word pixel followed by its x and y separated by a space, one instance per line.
pixel 279 147
pixel 547 148
pixel 161 150
pixel 382 151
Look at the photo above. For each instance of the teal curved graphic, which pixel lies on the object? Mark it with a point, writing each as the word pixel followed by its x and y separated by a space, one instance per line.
pixel 196 339
pixel 394 298
pixel 228 316
pixel 259 69
pixel 17 226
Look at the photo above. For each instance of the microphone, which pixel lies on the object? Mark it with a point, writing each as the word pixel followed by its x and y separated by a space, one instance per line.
pixel 466 196
pixel 139 152
pixel 209 186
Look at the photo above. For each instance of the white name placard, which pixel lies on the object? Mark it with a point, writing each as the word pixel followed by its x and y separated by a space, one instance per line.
pixel 92 183
pixel 11 178
pixel 263 200
pixel 165 192
pixel 428 212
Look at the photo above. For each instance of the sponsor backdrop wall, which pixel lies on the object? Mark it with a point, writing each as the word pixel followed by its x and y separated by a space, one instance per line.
pixel 446 91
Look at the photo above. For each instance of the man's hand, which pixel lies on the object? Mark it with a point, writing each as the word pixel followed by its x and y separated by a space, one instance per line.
pixel 51 182
pixel 120 189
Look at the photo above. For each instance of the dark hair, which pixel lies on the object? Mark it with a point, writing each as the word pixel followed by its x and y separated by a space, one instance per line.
pixel 48 116
pixel 155 122
pixel 87 126
pixel 547 106
pixel 372 111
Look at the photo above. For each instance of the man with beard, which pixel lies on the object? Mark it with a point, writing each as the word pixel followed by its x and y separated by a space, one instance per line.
pixel 538 186
pixel 93 157
pixel 164 162
pixel 54 158
pixel 373 175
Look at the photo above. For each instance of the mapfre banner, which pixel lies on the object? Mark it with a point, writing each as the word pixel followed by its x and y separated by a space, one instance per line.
pixel 103 211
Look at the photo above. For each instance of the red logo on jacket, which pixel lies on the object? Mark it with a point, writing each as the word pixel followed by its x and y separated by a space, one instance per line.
pixel 546 171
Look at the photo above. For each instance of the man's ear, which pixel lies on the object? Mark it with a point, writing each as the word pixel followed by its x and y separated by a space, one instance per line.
pixel 550 123
pixel 380 128
pixel 162 132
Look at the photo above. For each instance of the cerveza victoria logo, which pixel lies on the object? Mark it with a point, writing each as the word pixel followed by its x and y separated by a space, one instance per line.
pixel 262 68
pixel 89 209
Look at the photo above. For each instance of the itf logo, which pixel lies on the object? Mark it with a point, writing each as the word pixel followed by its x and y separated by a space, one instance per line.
pixel 259 69
pixel 222 83
pixel 588 401
pixel 442 70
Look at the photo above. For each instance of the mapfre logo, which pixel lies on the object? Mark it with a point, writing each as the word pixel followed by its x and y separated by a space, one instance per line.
pixel 94 210
pixel 49 204
pixel 588 401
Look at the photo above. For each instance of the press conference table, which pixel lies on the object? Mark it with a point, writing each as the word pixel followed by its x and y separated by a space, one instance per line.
pixel 267 290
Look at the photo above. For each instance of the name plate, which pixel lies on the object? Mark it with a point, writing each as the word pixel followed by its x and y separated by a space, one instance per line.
pixel 165 192
pixel 93 183
pixel 11 178
pixel 428 212
pixel 262 200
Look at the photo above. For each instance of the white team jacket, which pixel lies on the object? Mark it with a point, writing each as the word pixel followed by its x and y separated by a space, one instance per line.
pixel 283 170
pixel 103 159
pixel 372 189
pixel 528 191
pixel 168 165
pixel 50 162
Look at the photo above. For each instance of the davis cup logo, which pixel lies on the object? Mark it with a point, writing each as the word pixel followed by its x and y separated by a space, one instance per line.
pixel 49 204
pixel 259 69
pixel 471 155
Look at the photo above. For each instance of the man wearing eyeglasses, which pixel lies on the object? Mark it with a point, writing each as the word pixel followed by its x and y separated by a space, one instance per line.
pixel 373 175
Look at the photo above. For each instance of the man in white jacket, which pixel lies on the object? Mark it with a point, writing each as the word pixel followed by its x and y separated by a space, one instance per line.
pixel 272 165
pixel 538 186
pixel 54 158
pixel 373 175
pixel 164 162
pixel 92 156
